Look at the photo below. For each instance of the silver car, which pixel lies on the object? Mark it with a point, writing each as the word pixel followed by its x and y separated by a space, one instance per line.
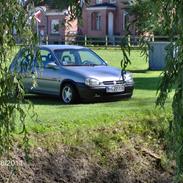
pixel 70 72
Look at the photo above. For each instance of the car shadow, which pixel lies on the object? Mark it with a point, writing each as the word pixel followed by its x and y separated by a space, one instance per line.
pixel 54 100
pixel 43 99
pixel 106 100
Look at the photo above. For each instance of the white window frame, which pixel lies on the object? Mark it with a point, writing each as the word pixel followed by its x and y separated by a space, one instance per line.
pixel 98 22
pixel 54 22
pixel 125 13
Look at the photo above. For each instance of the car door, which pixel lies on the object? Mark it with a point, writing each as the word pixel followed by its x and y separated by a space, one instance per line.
pixel 22 65
pixel 48 78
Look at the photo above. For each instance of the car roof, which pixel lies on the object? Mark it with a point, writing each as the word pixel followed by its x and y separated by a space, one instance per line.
pixel 60 47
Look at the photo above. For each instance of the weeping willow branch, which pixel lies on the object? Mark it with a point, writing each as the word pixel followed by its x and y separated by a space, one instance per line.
pixel 166 17
pixel 12 113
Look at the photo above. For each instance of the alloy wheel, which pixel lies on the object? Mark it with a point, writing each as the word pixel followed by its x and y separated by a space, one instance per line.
pixel 67 94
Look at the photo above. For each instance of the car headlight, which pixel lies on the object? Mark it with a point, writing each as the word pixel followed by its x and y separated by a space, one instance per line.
pixel 92 82
pixel 128 77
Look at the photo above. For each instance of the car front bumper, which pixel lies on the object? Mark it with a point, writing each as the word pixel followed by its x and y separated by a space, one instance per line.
pixel 87 92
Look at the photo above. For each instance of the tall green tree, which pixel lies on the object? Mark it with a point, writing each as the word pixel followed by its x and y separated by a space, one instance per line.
pixel 13 18
pixel 167 17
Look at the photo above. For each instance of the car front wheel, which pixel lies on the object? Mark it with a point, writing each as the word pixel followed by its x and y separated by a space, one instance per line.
pixel 69 94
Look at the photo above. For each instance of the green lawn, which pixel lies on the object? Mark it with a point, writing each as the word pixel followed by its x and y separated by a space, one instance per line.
pixel 68 123
pixel 114 57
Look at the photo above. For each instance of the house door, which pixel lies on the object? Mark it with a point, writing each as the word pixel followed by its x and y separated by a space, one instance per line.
pixel 110 24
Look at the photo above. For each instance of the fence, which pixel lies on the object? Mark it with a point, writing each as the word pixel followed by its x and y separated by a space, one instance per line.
pixel 106 41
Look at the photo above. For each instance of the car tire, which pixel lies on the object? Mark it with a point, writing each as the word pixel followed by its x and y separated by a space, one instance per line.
pixel 69 94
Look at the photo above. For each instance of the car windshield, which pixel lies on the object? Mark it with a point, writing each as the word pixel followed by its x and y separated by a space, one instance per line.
pixel 78 57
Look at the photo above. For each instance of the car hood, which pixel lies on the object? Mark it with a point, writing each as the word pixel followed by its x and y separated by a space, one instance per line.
pixel 102 73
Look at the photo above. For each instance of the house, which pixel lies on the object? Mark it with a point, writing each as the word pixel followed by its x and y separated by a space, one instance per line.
pixel 53 26
pixel 100 18
pixel 105 17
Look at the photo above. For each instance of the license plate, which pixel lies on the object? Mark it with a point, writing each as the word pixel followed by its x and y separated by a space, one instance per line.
pixel 115 89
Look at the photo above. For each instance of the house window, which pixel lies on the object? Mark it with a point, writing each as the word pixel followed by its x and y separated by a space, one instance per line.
pixel 55 26
pixel 125 20
pixel 98 1
pixel 112 1
pixel 96 21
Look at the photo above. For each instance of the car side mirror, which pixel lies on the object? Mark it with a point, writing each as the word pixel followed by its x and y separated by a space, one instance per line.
pixel 52 65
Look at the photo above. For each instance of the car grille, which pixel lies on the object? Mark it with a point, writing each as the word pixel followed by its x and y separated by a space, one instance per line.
pixel 112 82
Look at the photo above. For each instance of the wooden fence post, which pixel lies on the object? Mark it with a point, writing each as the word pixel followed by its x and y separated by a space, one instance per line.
pixel 85 40
pixel 129 40
pixel 46 39
pixel 106 41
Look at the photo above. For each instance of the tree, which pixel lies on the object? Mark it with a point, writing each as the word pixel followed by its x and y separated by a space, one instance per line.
pixel 167 17
pixel 15 17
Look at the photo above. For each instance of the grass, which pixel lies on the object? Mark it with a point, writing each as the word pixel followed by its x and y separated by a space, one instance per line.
pixel 73 124
pixel 114 57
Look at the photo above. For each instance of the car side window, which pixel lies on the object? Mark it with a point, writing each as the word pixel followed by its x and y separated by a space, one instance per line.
pixel 23 61
pixel 44 57
pixel 67 58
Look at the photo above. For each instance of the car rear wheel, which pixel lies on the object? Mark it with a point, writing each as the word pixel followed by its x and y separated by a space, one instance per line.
pixel 69 94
